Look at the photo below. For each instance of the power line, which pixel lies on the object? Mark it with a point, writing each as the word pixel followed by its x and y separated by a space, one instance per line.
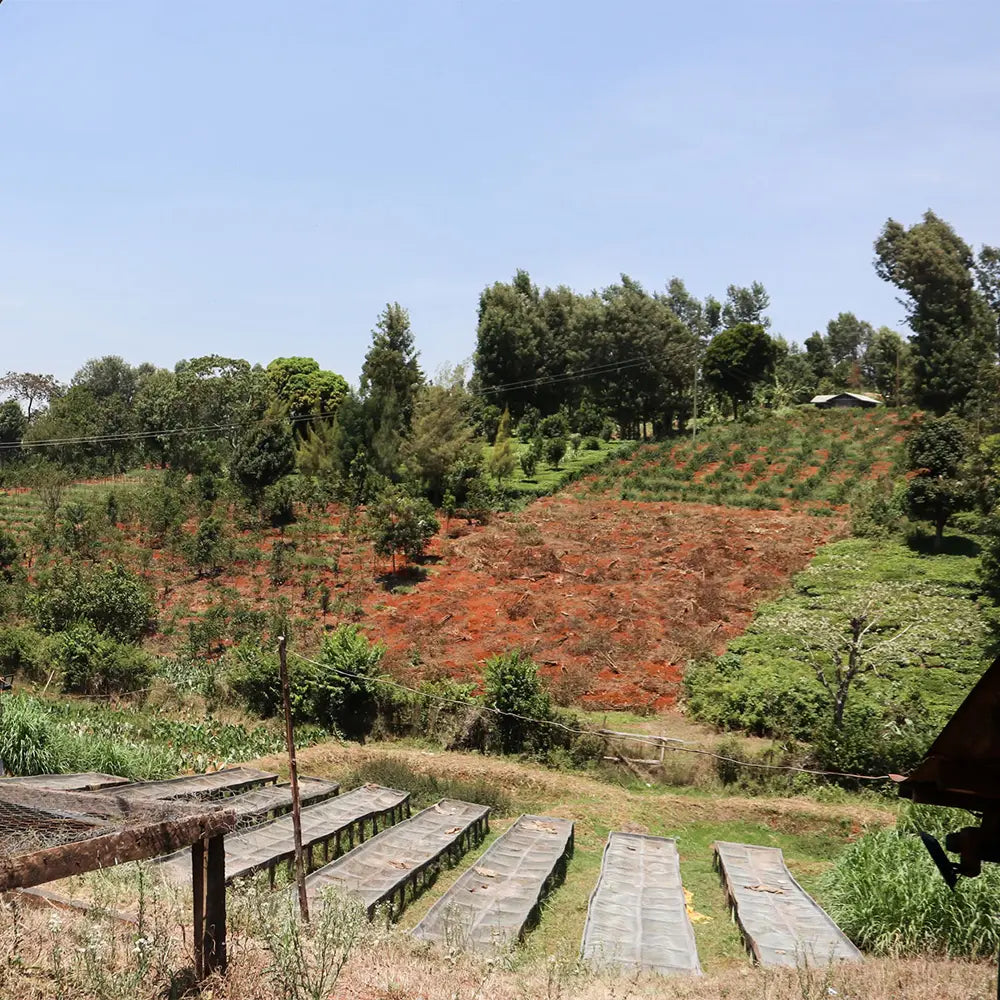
pixel 678 745
pixel 124 436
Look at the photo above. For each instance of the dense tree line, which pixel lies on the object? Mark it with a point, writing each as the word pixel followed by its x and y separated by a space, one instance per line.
pixel 548 364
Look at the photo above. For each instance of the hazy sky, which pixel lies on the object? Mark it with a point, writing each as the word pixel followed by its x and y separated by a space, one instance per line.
pixel 258 178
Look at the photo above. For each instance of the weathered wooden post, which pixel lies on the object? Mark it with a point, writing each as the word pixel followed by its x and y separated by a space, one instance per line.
pixel 300 872
pixel 208 881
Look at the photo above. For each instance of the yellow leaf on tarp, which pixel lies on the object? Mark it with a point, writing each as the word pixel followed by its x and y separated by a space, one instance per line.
pixel 693 915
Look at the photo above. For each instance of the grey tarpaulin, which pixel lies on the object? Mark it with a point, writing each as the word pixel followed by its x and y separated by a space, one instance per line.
pixel 271 843
pixel 781 923
pixel 228 781
pixel 637 918
pixel 88 781
pixel 384 865
pixel 489 907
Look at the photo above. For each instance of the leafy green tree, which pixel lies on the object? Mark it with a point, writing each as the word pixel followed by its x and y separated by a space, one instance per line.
pixel 529 461
pixel 502 459
pixel 207 549
pixel 10 555
pixel 13 424
pixel 842 649
pixel 847 337
pixel 936 489
pixel 886 364
pixel 346 695
pixel 442 453
pixel 507 341
pixel 737 360
pixel 954 331
pixel 746 305
pixel 989 559
pixel 818 356
pixel 31 388
pixel 396 522
pixel 304 388
pixel 391 370
pixel 111 599
pixel 514 687
pixel 263 454
pixel 555 450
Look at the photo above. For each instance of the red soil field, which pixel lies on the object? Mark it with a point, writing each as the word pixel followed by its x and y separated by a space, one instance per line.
pixel 610 597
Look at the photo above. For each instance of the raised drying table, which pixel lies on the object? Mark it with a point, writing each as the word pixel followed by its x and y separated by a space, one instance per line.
pixel 344 817
pixel 383 867
pixel 490 905
pixel 637 918
pixel 781 923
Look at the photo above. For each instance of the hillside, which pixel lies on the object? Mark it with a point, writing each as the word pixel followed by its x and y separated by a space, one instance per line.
pixel 805 458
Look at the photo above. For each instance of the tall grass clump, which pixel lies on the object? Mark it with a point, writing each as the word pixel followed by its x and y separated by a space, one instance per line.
pixel 889 898
pixel 34 741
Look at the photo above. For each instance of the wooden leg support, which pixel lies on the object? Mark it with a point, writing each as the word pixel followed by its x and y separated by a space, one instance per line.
pixel 208 880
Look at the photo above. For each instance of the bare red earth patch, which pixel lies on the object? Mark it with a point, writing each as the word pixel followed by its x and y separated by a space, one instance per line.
pixel 610 597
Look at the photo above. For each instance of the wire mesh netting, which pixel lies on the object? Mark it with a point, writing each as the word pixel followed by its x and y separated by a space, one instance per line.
pixel 24 829
pixel 35 818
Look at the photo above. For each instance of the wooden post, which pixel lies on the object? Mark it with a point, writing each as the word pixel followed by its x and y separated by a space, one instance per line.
pixel 208 882
pixel 215 905
pixel 300 873
pixel 198 880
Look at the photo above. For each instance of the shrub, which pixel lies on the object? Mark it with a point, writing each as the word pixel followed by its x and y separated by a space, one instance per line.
pixel 111 599
pixel 529 462
pixel 10 555
pixel 513 685
pixel 527 427
pixel 555 449
pixel 93 664
pixel 591 444
pixel 23 651
pixel 554 426
pixel 207 548
pixel 339 691
pixel 278 504
pixel 399 523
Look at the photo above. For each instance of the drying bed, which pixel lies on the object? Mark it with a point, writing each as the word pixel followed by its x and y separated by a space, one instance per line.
pixel 342 817
pixel 637 918
pixel 780 922
pixel 87 781
pixel 490 906
pixel 384 867
pixel 272 801
pixel 215 784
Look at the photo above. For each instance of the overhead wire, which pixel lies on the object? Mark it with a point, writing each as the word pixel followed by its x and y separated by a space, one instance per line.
pixel 668 742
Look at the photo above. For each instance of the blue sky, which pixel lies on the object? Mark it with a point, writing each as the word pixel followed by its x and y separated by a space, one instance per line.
pixel 258 178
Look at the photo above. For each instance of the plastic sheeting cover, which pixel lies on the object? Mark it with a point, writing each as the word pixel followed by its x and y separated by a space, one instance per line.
pixel 377 868
pixel 637 918
pixel 261 801
pixel 87 781
pixel 781 922
pixel 488 907
pixel 272 842
pixel 230 779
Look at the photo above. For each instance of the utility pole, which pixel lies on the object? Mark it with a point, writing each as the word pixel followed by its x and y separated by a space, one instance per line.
pixel 293 771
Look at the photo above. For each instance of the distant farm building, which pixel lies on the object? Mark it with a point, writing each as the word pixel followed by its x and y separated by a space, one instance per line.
pixel 844 399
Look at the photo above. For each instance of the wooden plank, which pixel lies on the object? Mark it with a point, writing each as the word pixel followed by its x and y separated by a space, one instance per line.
pixel 136 843
pixel 215 905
